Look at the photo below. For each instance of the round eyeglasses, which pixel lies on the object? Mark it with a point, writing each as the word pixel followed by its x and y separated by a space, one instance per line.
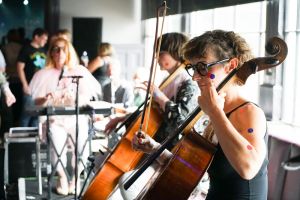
pixel 202 68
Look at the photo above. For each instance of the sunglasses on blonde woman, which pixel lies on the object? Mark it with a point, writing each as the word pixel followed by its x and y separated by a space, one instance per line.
pixel 57 49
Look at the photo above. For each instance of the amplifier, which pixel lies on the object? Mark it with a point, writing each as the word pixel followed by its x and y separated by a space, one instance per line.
pixel 22 155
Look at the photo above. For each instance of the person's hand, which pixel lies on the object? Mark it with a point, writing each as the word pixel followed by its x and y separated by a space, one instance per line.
pixel 9 97
pixel 210 100
pixel 68 99
pixel 26 89
pixel 112 124
pixel 158 95
pixel 143 142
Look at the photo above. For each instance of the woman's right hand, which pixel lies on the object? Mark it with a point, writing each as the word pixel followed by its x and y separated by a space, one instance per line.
pixel 143 142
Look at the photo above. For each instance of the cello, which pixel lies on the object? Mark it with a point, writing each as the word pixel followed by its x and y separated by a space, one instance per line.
pixel 194 153
pixel 124 158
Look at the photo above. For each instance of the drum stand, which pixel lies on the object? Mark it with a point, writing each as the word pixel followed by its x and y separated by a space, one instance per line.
pixel 90 169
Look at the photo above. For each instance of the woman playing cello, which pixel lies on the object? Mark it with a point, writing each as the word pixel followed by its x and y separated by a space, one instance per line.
pixel 178 98
pixel 239 168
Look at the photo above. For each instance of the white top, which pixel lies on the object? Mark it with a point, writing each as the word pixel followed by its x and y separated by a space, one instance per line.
pixel 46 81
pixel 2 61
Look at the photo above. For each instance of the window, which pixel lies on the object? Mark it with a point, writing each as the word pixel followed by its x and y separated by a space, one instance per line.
pixel 291 71
pixel 249 20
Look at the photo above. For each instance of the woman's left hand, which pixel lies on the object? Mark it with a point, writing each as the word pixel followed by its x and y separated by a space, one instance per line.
pixel 210 101
pixel 154 89
pixel 158 95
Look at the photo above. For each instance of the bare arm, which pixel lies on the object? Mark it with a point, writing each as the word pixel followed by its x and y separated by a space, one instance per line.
pixel 9 96
pixel 95 64
pixel 241 137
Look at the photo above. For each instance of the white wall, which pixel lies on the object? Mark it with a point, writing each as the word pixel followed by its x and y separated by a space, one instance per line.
pixel 121 26
pixel 121 18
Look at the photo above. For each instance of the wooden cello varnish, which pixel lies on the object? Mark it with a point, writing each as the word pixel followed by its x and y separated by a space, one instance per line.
pixel 192 157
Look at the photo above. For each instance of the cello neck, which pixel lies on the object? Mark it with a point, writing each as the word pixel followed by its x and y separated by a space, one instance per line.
pixel 171 77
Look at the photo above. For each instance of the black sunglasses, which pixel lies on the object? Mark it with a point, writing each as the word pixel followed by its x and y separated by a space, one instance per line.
pixel 202 68
pixel 57 49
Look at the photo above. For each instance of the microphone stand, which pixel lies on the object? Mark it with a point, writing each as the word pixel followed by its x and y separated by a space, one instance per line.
pixel 49 171
pixel 75 79
pixel 90 169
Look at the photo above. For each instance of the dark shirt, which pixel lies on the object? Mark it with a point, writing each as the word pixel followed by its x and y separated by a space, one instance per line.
pixel 34 59
pixel 101 75
pixel 226 183
pixel 176 111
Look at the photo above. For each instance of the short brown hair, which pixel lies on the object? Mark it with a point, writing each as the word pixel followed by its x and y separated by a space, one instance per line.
pixel 173 43
pixel 224 44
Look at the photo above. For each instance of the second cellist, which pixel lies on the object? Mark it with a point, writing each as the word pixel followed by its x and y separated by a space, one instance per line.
pixel 174 102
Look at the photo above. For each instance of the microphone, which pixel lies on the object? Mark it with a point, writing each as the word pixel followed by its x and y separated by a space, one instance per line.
pixel 61 74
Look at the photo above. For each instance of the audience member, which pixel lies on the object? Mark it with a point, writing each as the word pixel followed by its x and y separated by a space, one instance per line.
pixel 140 76
pixel 9 96
pixel 99 65
pixel 118 90
pixel 5 103
pixel 11 51
pixel 31 59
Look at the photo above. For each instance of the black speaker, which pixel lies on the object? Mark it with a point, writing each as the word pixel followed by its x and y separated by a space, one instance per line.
pixel 21 161
pixel 87 35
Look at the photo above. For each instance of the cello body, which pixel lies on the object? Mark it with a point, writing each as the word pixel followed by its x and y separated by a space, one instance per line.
pixel 123 159
pixel 191 157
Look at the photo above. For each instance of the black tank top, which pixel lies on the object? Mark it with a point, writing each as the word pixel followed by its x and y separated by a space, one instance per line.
pixel 226 183
pixel 101 74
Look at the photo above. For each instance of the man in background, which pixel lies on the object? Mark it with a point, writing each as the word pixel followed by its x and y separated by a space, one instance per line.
pixel 32 58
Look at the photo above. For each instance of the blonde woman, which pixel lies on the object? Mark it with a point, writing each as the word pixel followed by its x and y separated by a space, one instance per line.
pixel 99 65
pixel 49 87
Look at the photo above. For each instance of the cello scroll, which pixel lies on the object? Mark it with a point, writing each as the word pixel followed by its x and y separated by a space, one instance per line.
pixel 278 50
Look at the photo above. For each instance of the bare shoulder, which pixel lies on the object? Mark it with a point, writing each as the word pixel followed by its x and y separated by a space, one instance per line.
pixel 249 119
